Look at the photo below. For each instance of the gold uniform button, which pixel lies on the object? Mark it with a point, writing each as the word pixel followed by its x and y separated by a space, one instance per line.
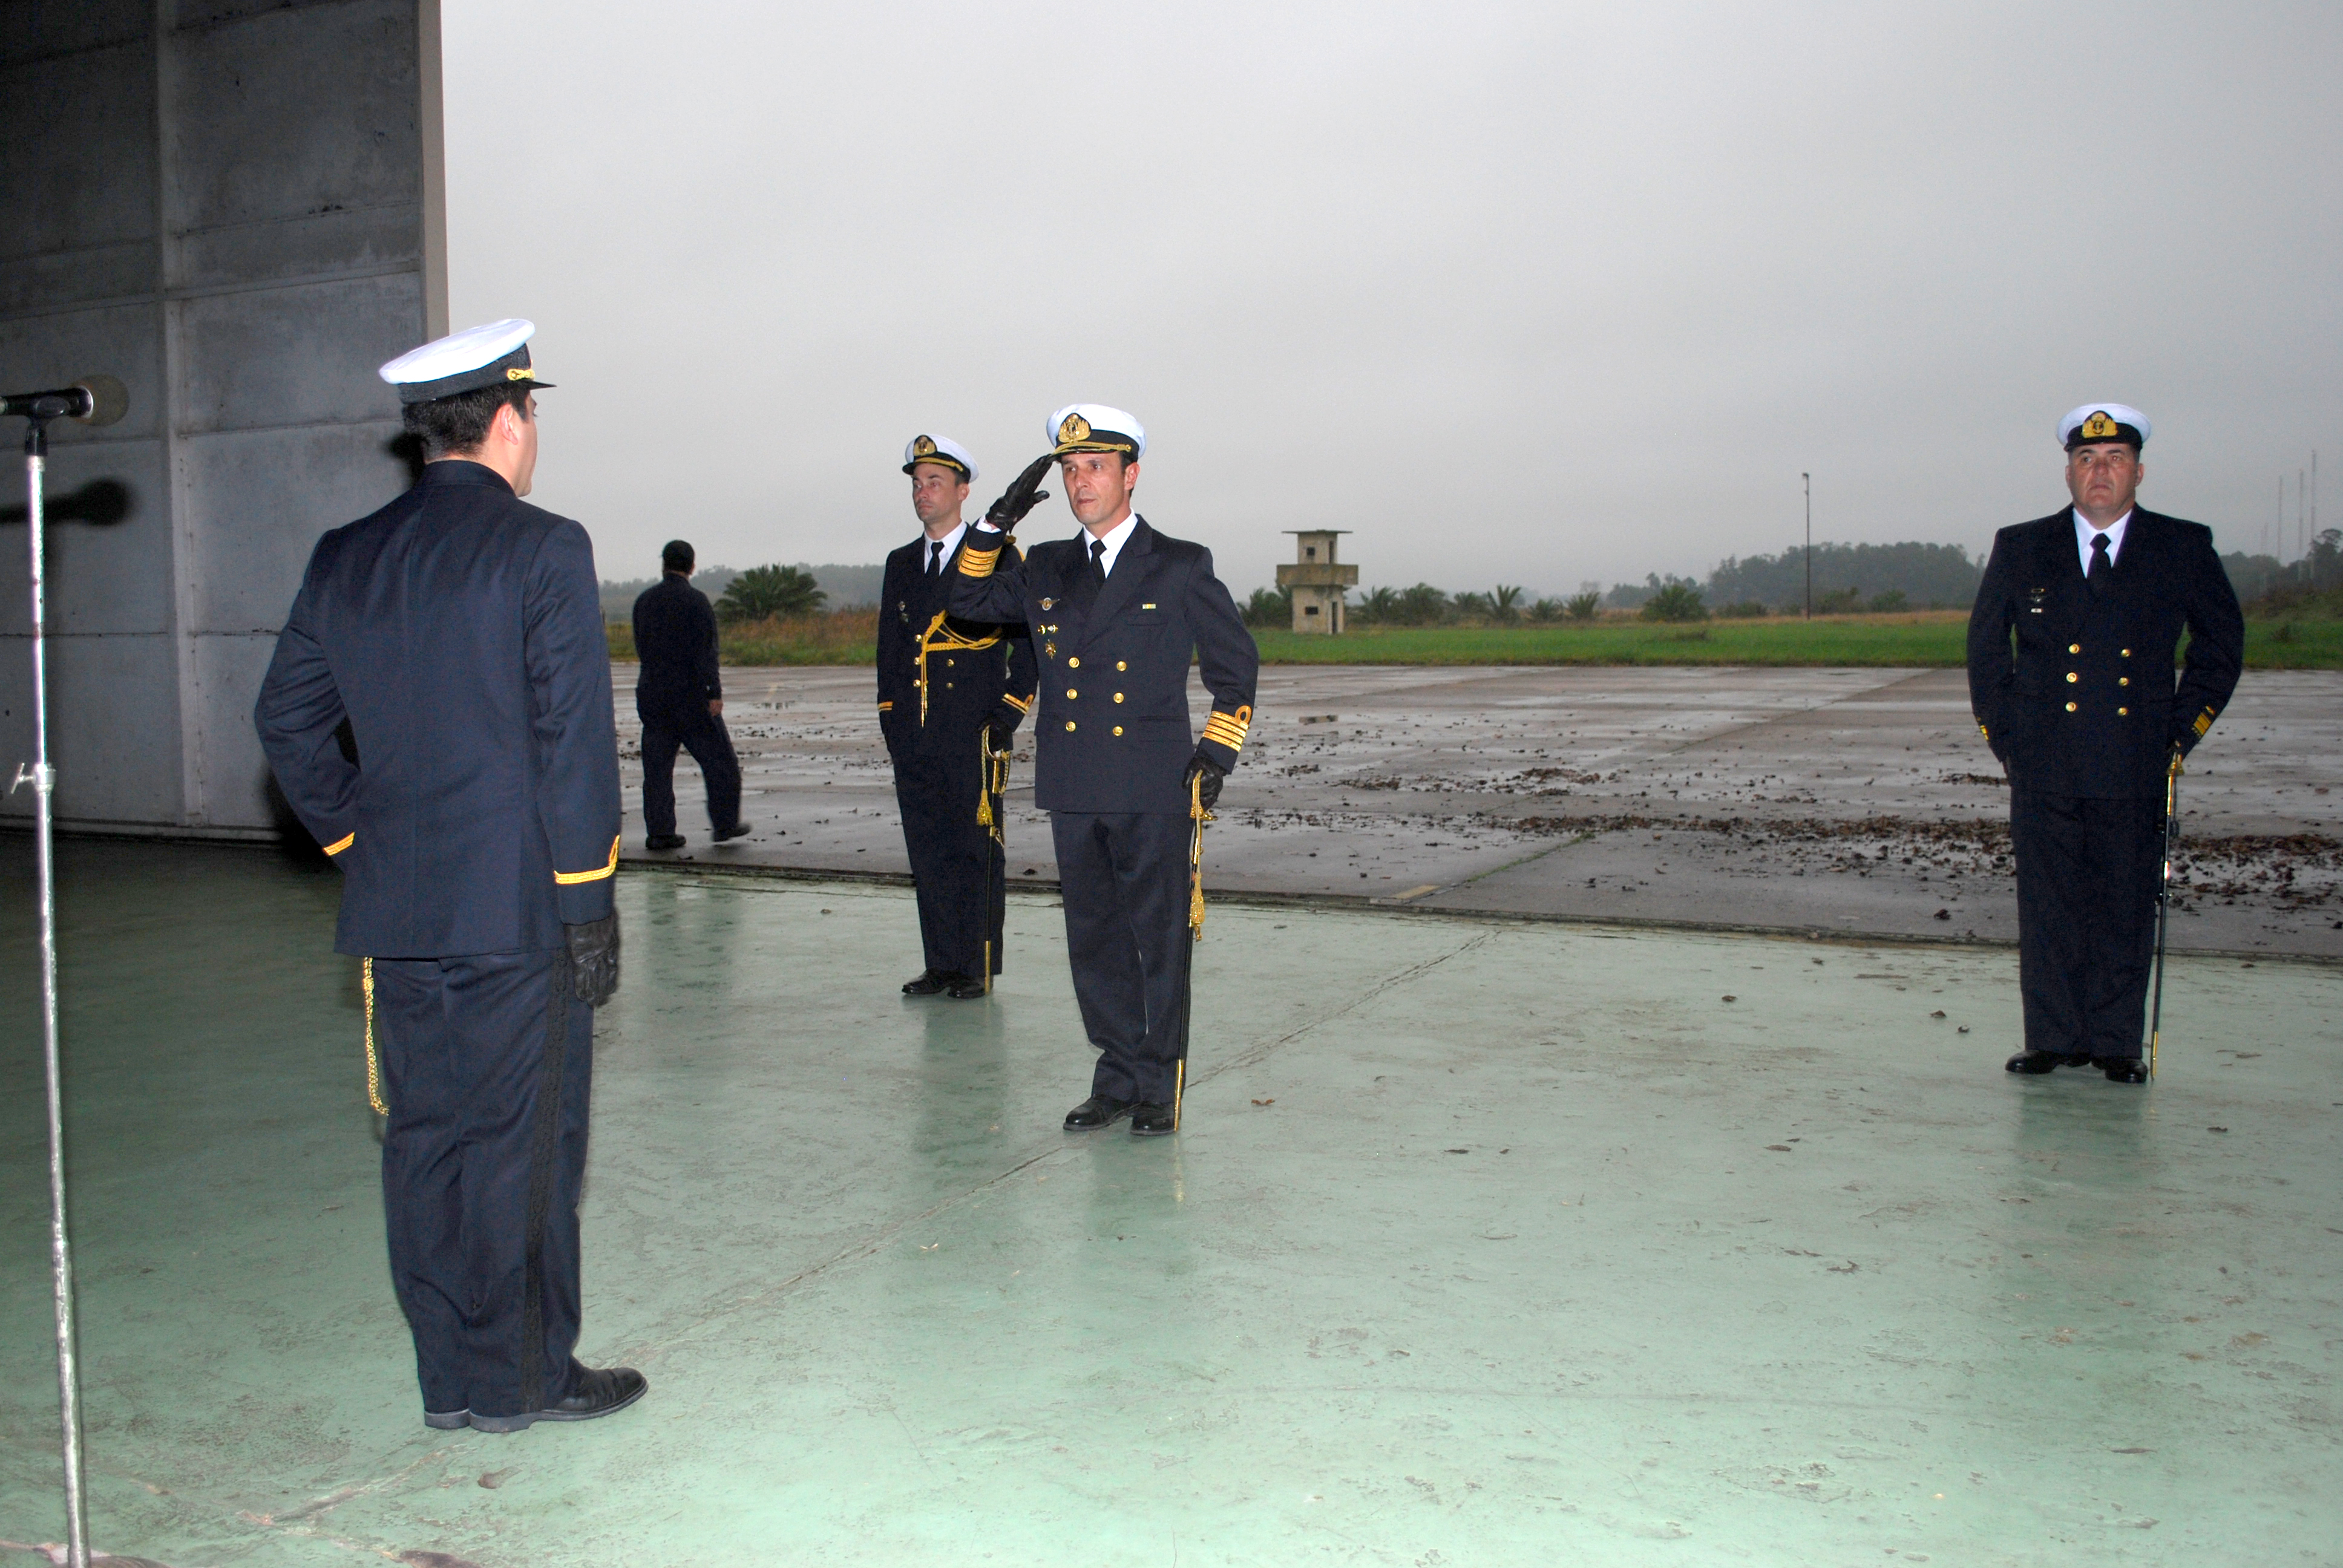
pixel 2074 647
pixel 2070 707
pixel 1118 697
pixel 948 686
pixel 1120 665
pixel 1070 694
pixel 1070 723
pixel 2127 653
pixel 2123 713
pixel 2122 680
pixel 2071 678
pixel 1117 729
pixel 949 663
pixel 1073 664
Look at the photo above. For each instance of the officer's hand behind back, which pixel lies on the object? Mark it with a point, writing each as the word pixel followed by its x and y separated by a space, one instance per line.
pixel 594 959
pixel 1024 493
pixel 1203 767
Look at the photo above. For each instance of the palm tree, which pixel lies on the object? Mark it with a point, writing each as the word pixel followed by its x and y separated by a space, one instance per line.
pixel 761 593
pixel 1377 604
pixel 1506 602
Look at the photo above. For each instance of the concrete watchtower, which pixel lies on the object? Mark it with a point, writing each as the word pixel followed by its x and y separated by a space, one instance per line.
pixel 1317 580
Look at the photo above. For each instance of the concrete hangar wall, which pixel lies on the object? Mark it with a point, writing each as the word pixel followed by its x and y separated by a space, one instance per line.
pixel 235 207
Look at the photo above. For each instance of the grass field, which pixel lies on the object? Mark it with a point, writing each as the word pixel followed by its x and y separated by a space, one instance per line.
pixel 2310 636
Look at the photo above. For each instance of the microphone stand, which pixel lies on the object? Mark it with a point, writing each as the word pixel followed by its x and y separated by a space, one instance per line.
pixel 43 779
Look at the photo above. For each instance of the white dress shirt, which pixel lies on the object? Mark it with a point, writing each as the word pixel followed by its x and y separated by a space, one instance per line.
pixel 1115 539
pixel 2085 530
pixel 950 542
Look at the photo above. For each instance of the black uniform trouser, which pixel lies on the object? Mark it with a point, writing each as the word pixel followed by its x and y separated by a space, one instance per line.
pixel 704 736
pixel 1124 875
pixel 487 1064
pixel 2088 872
pixel 954 861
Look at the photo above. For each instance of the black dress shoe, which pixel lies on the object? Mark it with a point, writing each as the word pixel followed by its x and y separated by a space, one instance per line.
pixel 2122 1068
pixel 447 1420
pixel 1099 1110
pixel 964 989
pixel 930 982
pixel 1151 1120
pixel 594 1390
pixel 2042 1062
pixel 664 841
pixel 737 830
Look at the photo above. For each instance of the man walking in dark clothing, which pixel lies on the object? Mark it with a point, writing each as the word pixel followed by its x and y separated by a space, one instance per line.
pixel 680 700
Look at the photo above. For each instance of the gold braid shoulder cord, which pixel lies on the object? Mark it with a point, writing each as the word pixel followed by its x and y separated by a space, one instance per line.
pixel 941 637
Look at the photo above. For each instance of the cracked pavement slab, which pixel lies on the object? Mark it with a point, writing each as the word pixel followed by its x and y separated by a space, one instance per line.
pixel 1833 801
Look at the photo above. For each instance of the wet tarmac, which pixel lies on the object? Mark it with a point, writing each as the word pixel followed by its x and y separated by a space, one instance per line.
pixel 1849 802
pixel 1483 1242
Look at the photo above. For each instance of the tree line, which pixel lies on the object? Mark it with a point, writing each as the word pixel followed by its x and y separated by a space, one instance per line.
pixel 1848 579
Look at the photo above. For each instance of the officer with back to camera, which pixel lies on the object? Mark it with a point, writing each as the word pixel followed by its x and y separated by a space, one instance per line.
pixel 1117 612
pixel 2087 718
pixel 438 715
pixel 680 697
pixel 951 692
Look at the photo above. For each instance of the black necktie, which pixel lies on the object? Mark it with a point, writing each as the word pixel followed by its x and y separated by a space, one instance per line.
pixel 2101 566
pixel 935 557
pixel 1098 563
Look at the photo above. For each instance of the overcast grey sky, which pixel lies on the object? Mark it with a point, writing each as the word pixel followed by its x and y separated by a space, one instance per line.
pixel 1535 294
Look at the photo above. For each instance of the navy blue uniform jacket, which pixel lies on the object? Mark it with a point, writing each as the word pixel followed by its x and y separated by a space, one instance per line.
pixel 459 632
pixel 675 636
pixel 2089 706
pixel 965 685
pixel 1111 731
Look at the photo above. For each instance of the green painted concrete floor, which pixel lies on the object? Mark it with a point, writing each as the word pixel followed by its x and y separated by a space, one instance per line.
pixel 1485 1242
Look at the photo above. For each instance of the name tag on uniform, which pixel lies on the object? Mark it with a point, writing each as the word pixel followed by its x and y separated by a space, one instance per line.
pixel 1147 606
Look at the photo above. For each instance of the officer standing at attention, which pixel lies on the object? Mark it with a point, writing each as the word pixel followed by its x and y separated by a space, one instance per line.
pixel 680 697
pixel 438 714
pixel 950 693
pixel 2087 718
pixel 1117 612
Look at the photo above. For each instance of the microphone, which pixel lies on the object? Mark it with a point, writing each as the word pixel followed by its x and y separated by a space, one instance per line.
pixel 92 400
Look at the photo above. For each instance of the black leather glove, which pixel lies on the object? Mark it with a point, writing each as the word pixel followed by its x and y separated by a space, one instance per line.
pixel 1201 767
pixel 1024 493
pixel 998 736
pixel 594 959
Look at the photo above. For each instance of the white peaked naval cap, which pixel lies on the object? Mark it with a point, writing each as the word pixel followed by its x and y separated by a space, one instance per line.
pixel 939 450
pixel 1095 428
pixel 2104 422
pixel 496 354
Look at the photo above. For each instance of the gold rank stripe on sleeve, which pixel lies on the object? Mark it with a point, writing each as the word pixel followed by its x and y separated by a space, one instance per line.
pixel 1022 704
pixel 2204 722
pixel 1229 728
pixel 571 879
pixel 977 563
pixel 340 844
pixel 886 708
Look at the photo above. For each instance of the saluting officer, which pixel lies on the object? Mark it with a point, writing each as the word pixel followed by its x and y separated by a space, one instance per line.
pixel 2087 718
pixel 951 692
pixel 438 714
pixel 1116 613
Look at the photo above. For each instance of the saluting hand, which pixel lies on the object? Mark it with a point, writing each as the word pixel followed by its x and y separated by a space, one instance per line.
pixel 1024 493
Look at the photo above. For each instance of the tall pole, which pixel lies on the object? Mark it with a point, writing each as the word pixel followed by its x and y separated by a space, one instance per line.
pixel 43 779
pixel 1809 478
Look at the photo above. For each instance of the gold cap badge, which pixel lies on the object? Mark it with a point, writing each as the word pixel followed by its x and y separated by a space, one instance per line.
pixel 924 446
pixel 2099 427
pixel 1074 429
